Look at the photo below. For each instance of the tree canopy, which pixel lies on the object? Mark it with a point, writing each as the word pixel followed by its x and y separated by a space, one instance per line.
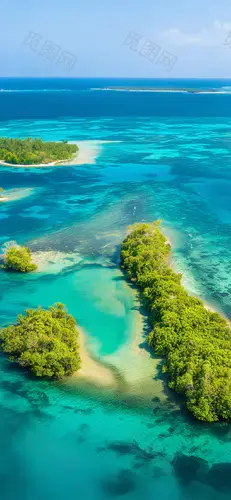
pixel 30 151
pixel 195 342
pixel 43 340
pixel 19 259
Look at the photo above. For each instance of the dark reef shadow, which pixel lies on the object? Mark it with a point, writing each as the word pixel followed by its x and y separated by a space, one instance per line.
pixel 119 484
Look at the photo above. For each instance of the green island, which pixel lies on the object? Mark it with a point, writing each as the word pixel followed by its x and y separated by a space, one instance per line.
pixel 17 258
pixel 30 151
pixel 45 341
pixel 194 341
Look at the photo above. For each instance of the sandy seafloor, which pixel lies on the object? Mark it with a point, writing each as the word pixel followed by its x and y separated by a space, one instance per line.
pixel 123 434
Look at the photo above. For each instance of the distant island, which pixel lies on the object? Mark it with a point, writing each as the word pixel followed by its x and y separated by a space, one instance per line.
pixel 195 342
pixel 32 152
pixel 188 90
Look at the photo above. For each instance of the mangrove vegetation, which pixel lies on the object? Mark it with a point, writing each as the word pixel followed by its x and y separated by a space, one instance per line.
pixel 194 341
pixel 18 258
pixel 45 341
pixel 30 151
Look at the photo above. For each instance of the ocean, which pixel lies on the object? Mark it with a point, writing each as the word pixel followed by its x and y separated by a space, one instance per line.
pixel 149 155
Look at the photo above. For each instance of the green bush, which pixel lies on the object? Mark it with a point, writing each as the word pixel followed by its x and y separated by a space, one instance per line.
pixel 44 341
pixel 18 259
pixel 34 151
pixel 195 342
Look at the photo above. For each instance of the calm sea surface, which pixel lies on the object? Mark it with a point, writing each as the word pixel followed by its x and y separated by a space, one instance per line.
pixel 156 155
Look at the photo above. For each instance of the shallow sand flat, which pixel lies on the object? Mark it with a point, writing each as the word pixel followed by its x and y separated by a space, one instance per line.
pixel 16 194
pixel 87 154
pixel 53 262
pixel 88 151
pixel 91 370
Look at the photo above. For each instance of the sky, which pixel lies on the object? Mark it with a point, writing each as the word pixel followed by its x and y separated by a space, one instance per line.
pixel 123 38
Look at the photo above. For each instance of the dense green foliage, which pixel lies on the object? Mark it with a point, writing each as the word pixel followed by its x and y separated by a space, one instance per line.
pixel 19 259
pixel 44 341
pixel 195 342
pixel 34 151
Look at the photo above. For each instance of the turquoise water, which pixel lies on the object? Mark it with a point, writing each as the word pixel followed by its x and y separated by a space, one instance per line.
pixel 62 440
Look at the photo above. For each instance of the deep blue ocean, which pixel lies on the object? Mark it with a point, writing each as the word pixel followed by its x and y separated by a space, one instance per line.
pixel 145 155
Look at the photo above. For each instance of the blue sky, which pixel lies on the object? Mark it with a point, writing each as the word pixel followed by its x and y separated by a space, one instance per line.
pixel 95 33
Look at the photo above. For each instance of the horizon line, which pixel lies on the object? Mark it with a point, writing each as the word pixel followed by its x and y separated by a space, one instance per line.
pixel 116 77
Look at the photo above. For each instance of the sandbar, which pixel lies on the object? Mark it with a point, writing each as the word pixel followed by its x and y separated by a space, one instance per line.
pixel 16 194
pixel 93 371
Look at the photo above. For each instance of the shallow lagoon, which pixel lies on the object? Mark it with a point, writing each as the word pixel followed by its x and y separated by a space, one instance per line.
pixel 66 440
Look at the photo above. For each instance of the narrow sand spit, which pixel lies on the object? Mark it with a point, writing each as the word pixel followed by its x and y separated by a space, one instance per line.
pixel 135 363
pixel 92 370
pixel 87 154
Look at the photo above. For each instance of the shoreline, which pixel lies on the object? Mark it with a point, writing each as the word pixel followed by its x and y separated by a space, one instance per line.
pixel 197 326
pixel 174 265
pixel 86 155
pixel 52 164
